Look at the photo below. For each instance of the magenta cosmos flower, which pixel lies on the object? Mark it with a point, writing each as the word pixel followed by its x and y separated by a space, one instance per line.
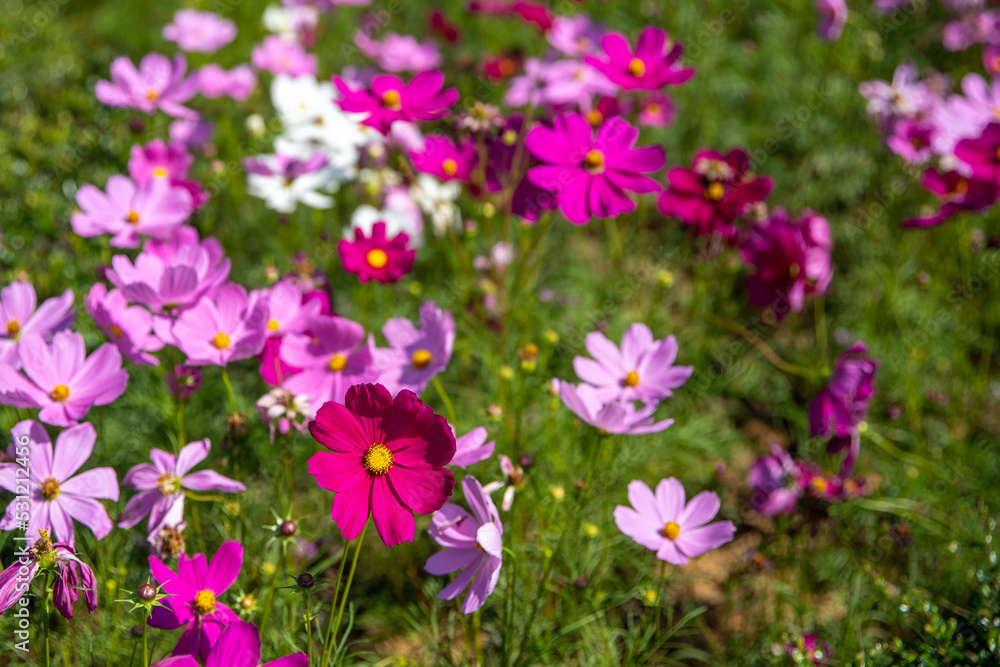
pixel 790 259
pixel 715 191
pixel 664 523
pixel 958 193
pixel 982 154
pixel 238 645
pixel 61 380
pixel 472 448
pixel 591 174
pixel 203 32
pixel 843 404
pixel 128 211
pixel 225 327
pixel 129 328
pixel 333 357
pixel 650 67
pixel 773 483
pixel 377 256
pixel 389 99
pixel 473 543
pixel 832 19
pixel 168 161
pixel 641 370
pixel 20 315
pixel 610 417
pixel 157 84
pixel 280 56
pixel 57 495
pixel 441 158
pixel 72 575
pixel 387 459
pixel 161 485
pixel 416 355
pixel 193 602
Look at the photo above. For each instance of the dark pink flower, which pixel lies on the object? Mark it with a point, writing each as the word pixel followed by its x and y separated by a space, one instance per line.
pixel 772 480
pixel 389 99
pixel 842 405
pixel 72 575
pixel 958 193
pixel 238 645
pixel 377 257
pixel 440 157
pixel 650 67
pixel 157 84
pixel 184 381
pixel 982 154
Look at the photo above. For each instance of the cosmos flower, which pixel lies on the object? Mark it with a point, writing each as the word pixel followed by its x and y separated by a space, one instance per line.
pixel 376 256
pixel 576 35
pixel 472 543
pixel 61 379
pixel 57 495
pixel 238 645
pixel 399 53
pixel 128 211
pixel 294 174
pixel 222 328
pixel 387 458
pixel 675 530
pixel 957 193
pixel 611 417
pixel 203 32
pixel 650 67
pixel 282 410
pixel 158 83
pixel 472 448
pixel 237 83
pixel 389 99
pixel 72 576
pixel 128 327
pixel 773 483
pixel 416 355
pixel 279 56
pixel 641 370
pixel 441 158
pixel 169 161
pixel 20 315
pixel 832 19
pixel 982 154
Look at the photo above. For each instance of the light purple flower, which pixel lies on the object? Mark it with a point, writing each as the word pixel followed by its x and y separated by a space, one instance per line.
pixel 472 448
pixel 61 379
pixel 772 481
pixel 577 35
pixel 19 317
pixel 157 84
pixel 203 32
pixel 238 645
pixel 56 495
pixel 905 97
pixel 675 530
pixel 473 543
pixel 573 82
pixel 161 485
pixel 224 327
pixel 279 56
pixel 643 369
pixel 193 133
pixel 416 355
pixel 237 83
pixel 183 381
pixel 611 417
pixel 525 90
pixel 399 53
pixel 129 211
pixel 128 327
pixel 832 19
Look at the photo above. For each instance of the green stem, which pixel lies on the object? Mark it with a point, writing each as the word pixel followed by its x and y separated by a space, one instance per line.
pixel 447 401
pixel 229 390
pixel 269 600
pixel 309 633
pixel 350 580
pixel 145 647
pixel 328 642
pixel 45 616
pixel 181 435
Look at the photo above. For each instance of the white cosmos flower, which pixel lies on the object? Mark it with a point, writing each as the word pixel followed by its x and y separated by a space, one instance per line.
pixel 437 200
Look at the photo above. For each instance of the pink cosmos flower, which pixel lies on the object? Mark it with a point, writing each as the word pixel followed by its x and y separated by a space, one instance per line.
pixel 576 35
pixel 473 543
pixel 772 481
pixel 611 417
pixel 656 111
pixel 129 211
pixel 183 381
pixel 911 140
pixel 832 19
pixel 571 82
pixel 288 311
pixel 905 97
pixel 590 175
pixel 399 53
pixel 280 56
pixel 193 602
pixel 56 495
pixel 442 159
pixel 714 192
pixel 958 193
pixel 237 83
pixel 982 154
pixel 161 485
pixel 376 256
pixel 790 259
pixel 157 160
pixel 387 458
pixel 334 357
pixel 416 355
pixel 472 448
pixel 238 645
pixel 19 317
pixel 193 133
pixel 642 370
pixel 650 67
pixel 805 650
pixel 224 327
pixel 389 99
pixel 128 327
pixel 61 379
pixel 203 32
pixel 675 530
pixel 157 84
pixel 72 575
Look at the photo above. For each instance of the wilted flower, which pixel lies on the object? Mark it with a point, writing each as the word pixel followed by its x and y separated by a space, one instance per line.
pixel 72 575
pixel 282 410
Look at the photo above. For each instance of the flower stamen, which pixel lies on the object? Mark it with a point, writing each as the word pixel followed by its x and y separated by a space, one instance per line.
pixel 671 530
pixel 378 459
pixel 60 393
pixel 421 358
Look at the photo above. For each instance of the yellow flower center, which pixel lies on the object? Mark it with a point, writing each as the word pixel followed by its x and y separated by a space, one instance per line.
pixel 636 67
pixel 794 270
pixel 509 137
pixel 50 488
pixel 221 341
pixel 594 160
pixel 671 531
pixel 421 358
pixel 377 258
pixel 390 99
pixel 819 484
pixel 132 218
pixel 595 117
pixel 631 379
pixel 653 108
pixel 168 484
pixel 204 602
pixel 337 362
pixel 160 171
pixel 378 459
pixel 273 325
pixel 714 191
pixel 152 95
pixel 60 393
pixel 13 328
pixel 449 166
pixel 116 331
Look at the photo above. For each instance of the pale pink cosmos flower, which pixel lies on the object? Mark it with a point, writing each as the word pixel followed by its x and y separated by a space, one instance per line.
pixel 416 355
pixel 225 327
pixel 576 35
pixel 472 448
pixel 128 327
pixel 399 53
pixel 129 211
pixel 611 417
pixel 203 32
pixel 61 380
pixel 56 494
pixel 157 84
pixel 166 161
pixel 287 312
pixel 279 56
pixel 664 523
pixel 237 83
pixel 643 369
pixel 161 485
pixel 20 315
